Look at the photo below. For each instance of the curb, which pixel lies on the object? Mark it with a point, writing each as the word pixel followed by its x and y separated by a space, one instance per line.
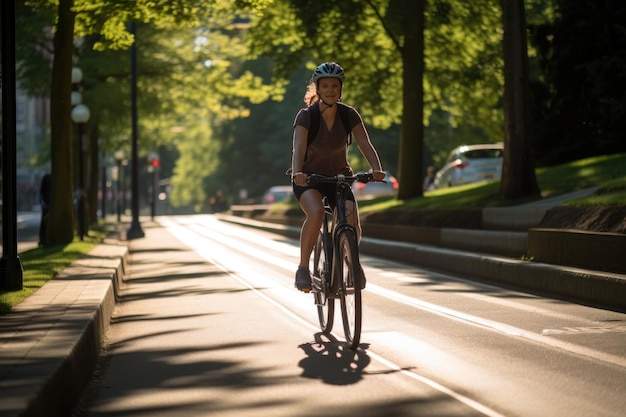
pixel 58 332
pixel 601 289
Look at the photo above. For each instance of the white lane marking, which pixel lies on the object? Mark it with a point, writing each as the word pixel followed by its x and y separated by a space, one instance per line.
pixel 615 328
pixel 498 327
pixel 191 239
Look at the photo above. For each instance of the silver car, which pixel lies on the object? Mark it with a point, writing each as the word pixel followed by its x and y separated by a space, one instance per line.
pixel 373 189
pixel 471 163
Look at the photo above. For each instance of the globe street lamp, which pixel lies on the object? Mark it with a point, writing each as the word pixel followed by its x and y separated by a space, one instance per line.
pixel 80 116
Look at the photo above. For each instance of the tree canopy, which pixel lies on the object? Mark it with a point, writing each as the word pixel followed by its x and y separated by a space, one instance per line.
pixel 220 81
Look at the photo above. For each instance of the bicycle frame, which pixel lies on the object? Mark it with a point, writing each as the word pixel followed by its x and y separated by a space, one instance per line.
pixel 335 222
pixel 340 224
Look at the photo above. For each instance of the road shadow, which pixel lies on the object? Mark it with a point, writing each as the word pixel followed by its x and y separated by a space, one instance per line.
pixel 332 362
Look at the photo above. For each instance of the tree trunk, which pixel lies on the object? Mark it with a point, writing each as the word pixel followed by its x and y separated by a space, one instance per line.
pixel 60 230
pixel 518 168
pixel 410 164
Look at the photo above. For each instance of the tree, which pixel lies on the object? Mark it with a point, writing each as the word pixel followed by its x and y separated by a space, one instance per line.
pixel 518 170
pixel 61 217
pixel 412 128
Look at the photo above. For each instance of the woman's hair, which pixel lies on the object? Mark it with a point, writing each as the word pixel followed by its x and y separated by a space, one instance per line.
pixel 310 96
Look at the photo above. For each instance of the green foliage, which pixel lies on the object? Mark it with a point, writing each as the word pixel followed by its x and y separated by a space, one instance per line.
pixel 198 160
pixel 33 49
pixel 607 171
pixel 207 82
pixel 580 93
pixel 464 66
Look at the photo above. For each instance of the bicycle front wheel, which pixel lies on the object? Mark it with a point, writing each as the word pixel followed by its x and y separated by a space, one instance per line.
pixel 322 256
pixel 350 281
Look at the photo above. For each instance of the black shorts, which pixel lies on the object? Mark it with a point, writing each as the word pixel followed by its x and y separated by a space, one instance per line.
pixel 325 189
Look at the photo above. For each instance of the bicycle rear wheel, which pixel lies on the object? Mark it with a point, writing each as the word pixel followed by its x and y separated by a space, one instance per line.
pixel 322 256
pixel 350 282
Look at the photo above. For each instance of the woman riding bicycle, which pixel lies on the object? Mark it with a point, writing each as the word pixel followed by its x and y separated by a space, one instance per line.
pixel 325 153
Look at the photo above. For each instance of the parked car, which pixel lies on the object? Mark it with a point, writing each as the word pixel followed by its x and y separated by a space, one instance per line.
pixel 367 191
pixel 276 193
pixel 471 163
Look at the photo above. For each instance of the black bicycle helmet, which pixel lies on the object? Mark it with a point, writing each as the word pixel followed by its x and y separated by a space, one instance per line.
pixel 328 70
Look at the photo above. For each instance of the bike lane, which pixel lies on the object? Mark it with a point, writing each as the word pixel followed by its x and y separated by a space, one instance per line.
pixel 188 339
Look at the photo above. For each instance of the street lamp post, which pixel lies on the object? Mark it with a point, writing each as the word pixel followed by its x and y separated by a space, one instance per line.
pixel 11 272
pixel 80 116
pixel 119 157
pixel 153 167
pixel 135 231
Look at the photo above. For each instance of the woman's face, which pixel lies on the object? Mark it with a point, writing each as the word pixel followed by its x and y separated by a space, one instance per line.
pixel 329 89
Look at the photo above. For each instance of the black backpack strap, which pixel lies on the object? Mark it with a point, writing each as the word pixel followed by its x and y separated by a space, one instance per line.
pixel 314 111
pixel 344 113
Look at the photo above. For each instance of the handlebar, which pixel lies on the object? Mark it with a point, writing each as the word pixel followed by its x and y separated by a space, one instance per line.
pixel 363 177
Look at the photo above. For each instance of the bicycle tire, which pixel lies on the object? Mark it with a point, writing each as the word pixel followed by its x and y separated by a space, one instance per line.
pixel 350 283
pixel 322 260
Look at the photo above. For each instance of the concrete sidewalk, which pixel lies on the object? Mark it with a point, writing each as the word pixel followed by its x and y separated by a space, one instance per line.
pixel 50 343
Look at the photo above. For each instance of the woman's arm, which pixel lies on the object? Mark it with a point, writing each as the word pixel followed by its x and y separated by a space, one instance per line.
pixel 300 135
pixel 367 149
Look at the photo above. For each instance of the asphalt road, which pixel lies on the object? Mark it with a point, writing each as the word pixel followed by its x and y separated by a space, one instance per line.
pixel 208 323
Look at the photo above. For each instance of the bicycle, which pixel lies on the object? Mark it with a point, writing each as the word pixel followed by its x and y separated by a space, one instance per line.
pixel 336 271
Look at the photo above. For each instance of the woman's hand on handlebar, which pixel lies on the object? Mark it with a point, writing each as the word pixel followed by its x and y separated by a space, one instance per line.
pixel 300 178
pixel 378 175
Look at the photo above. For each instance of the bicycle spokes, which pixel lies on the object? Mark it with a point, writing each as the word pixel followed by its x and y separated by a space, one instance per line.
pixel 350 294
pixel 321 279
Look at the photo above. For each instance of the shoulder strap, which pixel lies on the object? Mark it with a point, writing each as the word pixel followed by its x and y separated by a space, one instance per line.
pixel 314 110
pixel 344 114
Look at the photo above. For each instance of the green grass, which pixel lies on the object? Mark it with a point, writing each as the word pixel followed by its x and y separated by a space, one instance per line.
pixel 42 264
pixel 602 171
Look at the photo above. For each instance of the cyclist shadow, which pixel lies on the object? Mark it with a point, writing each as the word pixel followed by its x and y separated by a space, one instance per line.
pixel 332 362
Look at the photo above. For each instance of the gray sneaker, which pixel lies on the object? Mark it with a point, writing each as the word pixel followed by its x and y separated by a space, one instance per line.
pixel 303 279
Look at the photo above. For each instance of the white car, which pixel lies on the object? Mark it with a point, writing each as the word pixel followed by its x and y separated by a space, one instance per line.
pixel 373 189
pixel 471 163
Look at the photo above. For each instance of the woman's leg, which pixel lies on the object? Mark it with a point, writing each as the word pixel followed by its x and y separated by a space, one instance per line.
pixel 352 214
pixel 311 204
